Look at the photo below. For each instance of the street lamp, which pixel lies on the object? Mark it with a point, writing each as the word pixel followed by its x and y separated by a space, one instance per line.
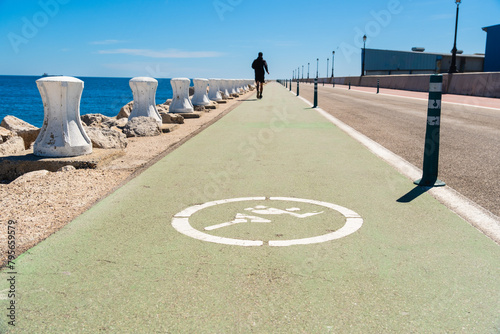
pixel 333 57
pixel 453 67
pixel 363 56
pixel 308 70
pixel 317 67
pixel 302 72
pixel 327 66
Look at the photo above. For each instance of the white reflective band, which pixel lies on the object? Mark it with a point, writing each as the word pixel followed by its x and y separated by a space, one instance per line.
pixel 433 120
pixel 436 87
pixel 434 104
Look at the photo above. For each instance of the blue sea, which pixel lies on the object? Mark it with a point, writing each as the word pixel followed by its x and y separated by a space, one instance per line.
pixel 20 97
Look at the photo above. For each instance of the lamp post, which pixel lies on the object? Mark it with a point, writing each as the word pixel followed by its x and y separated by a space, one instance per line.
pixel 302 72
pixel 298 71
pixel 317 67
pixel 453 67
pixel 333 57
pixel 308 70
pixel 363 60
pixel 327 66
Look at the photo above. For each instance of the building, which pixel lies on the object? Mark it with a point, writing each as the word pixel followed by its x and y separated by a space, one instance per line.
pixel 492 52
pixel 387 62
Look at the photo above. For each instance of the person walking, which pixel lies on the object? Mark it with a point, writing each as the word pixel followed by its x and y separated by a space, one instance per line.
pixel 260 65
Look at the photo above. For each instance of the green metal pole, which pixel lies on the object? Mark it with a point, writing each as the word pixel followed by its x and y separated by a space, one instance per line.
pixel 297 86
pixel 315 93
pixel 378 86
pixel 432 134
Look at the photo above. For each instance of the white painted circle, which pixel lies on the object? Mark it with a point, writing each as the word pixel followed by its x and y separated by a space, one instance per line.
pixel 180 222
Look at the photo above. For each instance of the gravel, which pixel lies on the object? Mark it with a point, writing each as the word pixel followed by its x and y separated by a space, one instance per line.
pixel 43 203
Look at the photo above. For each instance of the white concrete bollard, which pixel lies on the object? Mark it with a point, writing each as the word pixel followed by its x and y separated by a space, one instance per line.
pixel 62 133
pixel 200 97
pixel 240 86
pixel 144 91
pixel 180 100
pixel 233 87
pixel 225 87
pixel 214 90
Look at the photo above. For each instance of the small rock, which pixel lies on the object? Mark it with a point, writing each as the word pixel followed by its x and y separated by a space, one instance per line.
pixel 12 146
pixel 106 138
pixel 167 103
pixel 22 129
pixel 167 128
pixel 125 110
pixel 168 118
pixel 142 127
pixel 31 176
pixel 199 108
pixel 67 168
pixel 94 120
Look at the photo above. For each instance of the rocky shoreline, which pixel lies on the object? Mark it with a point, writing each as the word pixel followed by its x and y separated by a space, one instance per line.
pixel 42 201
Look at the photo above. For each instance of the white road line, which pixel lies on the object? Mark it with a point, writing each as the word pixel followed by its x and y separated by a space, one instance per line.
pixel 477 216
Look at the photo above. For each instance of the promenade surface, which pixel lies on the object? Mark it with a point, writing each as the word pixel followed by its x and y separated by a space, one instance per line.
pixel 272 220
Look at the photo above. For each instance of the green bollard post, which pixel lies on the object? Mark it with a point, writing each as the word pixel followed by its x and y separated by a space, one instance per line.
pixel 432 134
pixel 378 86
pixel 349 84
pixel 297 87
pixel 315 93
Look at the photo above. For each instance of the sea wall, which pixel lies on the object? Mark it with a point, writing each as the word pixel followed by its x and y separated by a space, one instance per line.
pixel 485 84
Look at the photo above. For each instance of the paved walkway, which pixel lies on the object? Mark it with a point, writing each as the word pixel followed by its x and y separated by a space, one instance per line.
pixel 272 220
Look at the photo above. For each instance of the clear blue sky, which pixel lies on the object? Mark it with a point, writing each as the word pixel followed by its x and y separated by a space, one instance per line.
pixel 220 38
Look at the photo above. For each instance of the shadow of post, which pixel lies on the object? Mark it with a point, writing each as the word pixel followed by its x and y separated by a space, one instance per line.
pixel 413 194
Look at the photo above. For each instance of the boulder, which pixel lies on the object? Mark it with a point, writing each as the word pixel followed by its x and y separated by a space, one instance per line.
pixel 94 120
pixel 115 123
pixel 191 91
pixel 167 103
pixel 171 118
pixel 125 110
pixel 142 127
pixel 106 138
pixel 12 146
pixel 199 108
pixel 5 134
pixel 22 129
pixel 162 108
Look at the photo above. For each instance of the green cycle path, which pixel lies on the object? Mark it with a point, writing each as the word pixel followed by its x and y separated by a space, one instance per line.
pixel 272 220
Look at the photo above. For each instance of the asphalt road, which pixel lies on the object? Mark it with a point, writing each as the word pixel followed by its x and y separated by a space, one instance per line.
pixel 470 136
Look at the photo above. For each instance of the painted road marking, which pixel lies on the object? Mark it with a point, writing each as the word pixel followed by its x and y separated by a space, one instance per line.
pixel 181 223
